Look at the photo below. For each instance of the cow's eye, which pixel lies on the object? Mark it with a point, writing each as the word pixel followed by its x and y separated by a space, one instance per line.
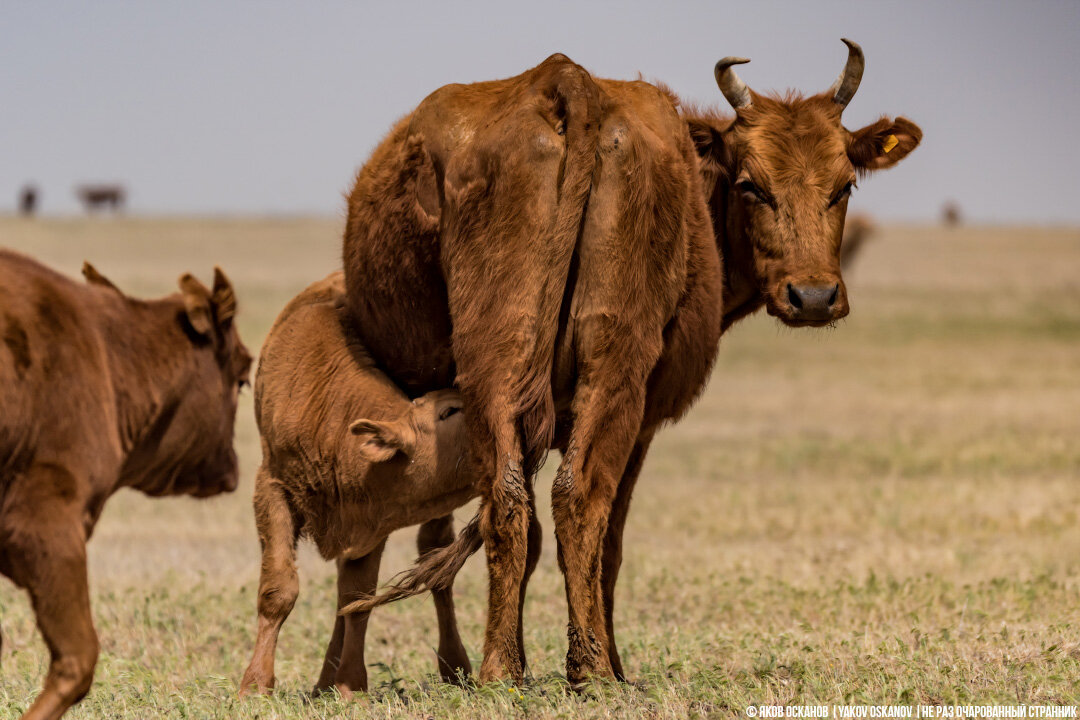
pixel 843 193
pixel 753 193
pixel 448 411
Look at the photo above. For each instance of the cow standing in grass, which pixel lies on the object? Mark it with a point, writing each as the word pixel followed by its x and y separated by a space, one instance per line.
pixel 555 241
pixel 99 392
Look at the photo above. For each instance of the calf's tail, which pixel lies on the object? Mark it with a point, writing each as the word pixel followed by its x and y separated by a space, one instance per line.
pixel 434 570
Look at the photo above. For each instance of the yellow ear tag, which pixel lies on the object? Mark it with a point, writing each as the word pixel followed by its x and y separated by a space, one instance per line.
pixel 890 143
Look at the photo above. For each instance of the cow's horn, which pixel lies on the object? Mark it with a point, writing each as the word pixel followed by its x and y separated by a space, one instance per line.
pixel 845 86
pixel 734 89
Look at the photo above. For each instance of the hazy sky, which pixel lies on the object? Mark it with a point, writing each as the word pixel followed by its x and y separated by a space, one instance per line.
pixel 269 107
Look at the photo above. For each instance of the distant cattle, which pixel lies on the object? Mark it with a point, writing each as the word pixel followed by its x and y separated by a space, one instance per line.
pixel 553 242
pixel 95 197
pixel 28 198
pixel 101 391
pixel 951 215
pixel 347 491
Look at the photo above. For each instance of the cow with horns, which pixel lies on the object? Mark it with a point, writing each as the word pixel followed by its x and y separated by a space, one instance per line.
pixel 554 243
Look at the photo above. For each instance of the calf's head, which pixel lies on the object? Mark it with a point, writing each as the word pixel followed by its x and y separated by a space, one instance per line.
pixel 430 435
pixel 194 447
pixel 782 171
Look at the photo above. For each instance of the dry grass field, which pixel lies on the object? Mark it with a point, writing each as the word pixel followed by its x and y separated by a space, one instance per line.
pixel 883 512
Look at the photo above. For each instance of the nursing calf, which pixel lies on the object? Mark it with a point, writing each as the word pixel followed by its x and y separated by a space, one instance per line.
pixel 101 391
pixel 347 459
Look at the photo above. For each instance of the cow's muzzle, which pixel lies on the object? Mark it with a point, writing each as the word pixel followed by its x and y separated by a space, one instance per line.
pixel 813 303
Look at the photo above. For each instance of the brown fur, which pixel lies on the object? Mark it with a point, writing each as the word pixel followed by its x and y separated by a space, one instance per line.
pixel 401 465
pixel 101 391
pixel 642 305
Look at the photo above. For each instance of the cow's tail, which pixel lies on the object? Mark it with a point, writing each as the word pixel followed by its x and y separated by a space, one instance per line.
pixel 435 570
pixel 576 101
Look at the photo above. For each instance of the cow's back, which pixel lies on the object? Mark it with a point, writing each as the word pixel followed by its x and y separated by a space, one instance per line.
pixel 503 141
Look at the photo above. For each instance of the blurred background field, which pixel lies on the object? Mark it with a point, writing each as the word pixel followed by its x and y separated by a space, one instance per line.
pixel 885 511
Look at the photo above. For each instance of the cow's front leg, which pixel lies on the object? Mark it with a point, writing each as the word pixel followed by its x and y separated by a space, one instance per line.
pixel 46 554
pixel 356 578
pixel 611 559
pixel 279 584
pixel 332 659
pixel 454 664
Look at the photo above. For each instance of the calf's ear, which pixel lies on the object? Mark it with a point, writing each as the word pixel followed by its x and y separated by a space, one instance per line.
pixel 95 278
pixel 224 298
pixel 197 304
pixel 882 144
pixel 380 441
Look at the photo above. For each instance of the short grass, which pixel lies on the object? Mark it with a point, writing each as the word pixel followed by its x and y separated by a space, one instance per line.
pixel 884 512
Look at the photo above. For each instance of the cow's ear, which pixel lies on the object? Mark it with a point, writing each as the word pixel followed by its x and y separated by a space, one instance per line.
pixel 224 298
pixel 882 144
pixel 95 278
pixel 380 441
pixel 197 305
pixel 711 151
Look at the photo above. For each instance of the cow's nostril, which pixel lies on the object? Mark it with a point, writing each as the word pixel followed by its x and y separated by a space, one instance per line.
pixel 835 294
pixel 793 297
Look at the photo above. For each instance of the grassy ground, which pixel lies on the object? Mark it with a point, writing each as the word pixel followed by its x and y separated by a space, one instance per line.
pixel 885 512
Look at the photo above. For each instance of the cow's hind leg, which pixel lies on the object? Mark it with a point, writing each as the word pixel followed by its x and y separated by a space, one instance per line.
pixel 46 554
pixel 504 525
pixel 582 497
pixel 454 664
pixel 279 584
pixel 355 578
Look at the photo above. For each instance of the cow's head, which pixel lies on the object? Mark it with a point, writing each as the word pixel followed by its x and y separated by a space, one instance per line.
pixel 783 170
pixel 430 435
pixel 199 438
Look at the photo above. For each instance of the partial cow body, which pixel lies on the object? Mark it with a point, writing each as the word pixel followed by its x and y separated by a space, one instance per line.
pixel 101 391
pixel 400 466
pixel 549 230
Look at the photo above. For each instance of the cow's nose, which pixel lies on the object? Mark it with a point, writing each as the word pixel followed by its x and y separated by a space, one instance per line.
pixel 813 303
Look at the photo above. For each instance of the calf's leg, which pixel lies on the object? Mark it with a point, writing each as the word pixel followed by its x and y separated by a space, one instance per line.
pixel 279 584
pixel 454 664
pixel 355 578
pixel 46 554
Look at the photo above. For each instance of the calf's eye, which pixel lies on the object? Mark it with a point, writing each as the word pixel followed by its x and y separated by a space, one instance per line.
pixel 447 412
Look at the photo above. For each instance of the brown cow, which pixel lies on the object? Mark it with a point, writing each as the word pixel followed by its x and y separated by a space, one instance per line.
pixel 347 494
pixel 560 225
pixel 101 391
